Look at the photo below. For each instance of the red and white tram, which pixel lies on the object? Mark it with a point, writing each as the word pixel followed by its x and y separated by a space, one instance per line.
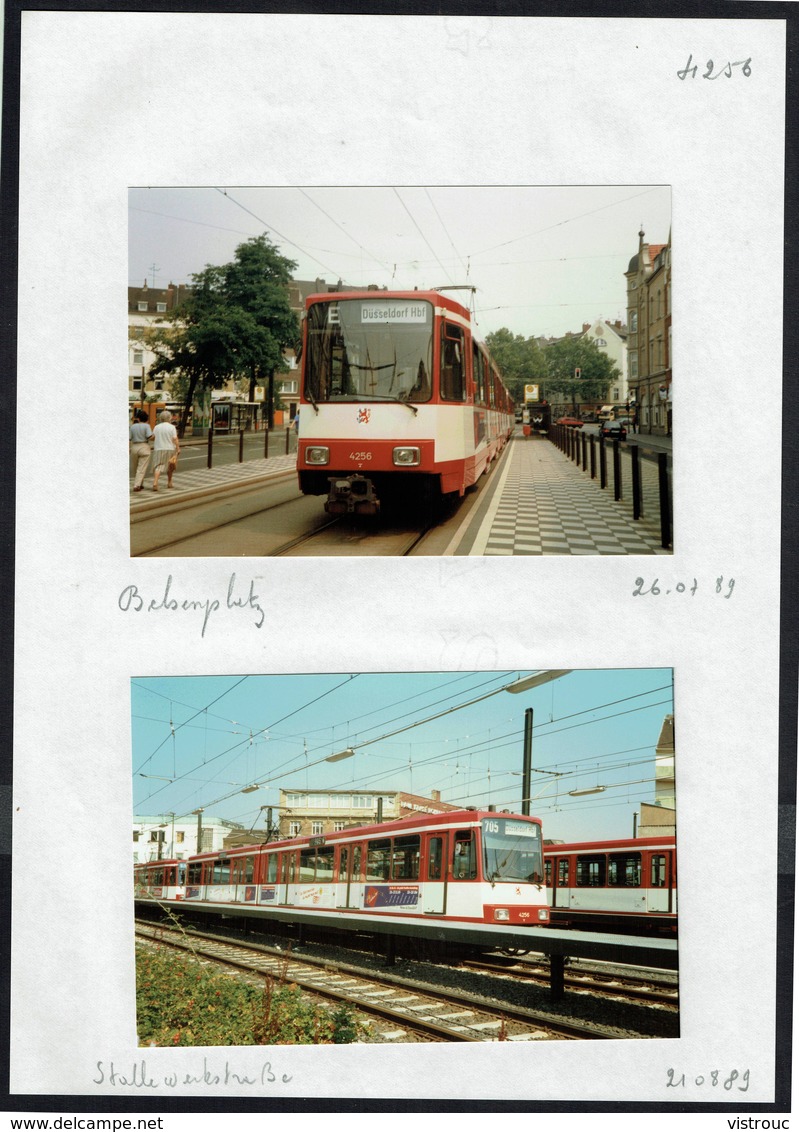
pixel 160 880
pixel 398 394
pixel 620 886
pixel 466 866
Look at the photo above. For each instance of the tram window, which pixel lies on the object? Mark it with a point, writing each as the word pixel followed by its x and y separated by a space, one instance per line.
pixel 243 870
pixel 356 862
pixel 378 860
pixel 548 873
pixel 324 863
pixel 221 871
pixel 407 851
pixel 658 870
pixel 289 867
pixel 590 872
pixel 464 863
pixel 563 872
pixel 307 865
pixel 435 854
pixel 343 854
pixel 624 870
pixel 452 383
pixel 479 377
pixel 271 868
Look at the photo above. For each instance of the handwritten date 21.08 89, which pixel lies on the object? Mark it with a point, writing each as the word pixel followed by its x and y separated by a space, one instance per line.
pixel 723 586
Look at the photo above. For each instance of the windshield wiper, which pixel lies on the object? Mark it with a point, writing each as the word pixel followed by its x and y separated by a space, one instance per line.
pixel 375 397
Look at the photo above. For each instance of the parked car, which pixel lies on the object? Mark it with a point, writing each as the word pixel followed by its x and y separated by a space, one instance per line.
pixel 614 430
pixel 572 422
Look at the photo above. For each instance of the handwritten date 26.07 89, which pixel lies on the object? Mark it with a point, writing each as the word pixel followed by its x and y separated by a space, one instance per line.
pixel 723 586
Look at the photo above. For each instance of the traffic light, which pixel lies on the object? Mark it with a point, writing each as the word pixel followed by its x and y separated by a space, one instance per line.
pixel 578 373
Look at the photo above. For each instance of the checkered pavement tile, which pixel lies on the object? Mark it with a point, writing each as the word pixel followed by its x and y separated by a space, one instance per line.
pixel 549 505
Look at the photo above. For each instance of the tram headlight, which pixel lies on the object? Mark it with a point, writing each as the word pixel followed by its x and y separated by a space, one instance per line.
pixel 317 455
pixel 543 913
pixel 501 914
pixel 407 457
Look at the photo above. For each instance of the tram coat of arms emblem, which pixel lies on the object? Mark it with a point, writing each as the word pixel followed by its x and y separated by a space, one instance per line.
pixel 364 415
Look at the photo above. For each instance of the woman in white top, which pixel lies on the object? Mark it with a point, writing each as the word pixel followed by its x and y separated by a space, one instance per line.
pixel 165 448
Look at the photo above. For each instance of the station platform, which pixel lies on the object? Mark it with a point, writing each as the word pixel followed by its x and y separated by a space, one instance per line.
pixel 536 502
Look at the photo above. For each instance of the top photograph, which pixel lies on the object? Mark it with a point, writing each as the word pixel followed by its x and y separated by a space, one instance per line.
pixel 400 371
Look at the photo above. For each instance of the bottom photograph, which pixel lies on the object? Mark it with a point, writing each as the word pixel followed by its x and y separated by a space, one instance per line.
pixel 389 858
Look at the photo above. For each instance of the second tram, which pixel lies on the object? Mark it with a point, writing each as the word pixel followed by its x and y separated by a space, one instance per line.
pixel 620 886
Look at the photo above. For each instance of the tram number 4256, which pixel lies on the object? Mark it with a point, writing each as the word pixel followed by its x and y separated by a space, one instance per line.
pixel 723 586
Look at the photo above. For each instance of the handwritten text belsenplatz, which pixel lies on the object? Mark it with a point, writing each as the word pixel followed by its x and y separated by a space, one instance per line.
pixel 133 600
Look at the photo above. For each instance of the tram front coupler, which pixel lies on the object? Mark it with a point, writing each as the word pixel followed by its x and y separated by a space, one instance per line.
pixel 352 495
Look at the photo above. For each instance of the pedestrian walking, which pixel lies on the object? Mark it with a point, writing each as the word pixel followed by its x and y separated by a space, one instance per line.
pixel 166 449
pixel 140 435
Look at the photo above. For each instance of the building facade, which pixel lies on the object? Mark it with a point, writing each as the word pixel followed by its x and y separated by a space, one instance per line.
pixel 309 813
pixel 611 339
pixel 161 836
pixel 146 306
pixel 648 278
pixel 660 817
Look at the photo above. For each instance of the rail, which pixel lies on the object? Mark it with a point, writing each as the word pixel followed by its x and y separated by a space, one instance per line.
pixel 645 486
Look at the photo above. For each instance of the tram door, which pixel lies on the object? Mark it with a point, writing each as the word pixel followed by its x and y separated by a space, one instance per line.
pixel 348 881
pixel 287 873
pixel 659 889
pixel 560 883
pixel 435 877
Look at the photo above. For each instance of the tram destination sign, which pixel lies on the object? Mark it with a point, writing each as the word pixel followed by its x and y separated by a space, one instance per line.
pixel 520 829
pixel 395 310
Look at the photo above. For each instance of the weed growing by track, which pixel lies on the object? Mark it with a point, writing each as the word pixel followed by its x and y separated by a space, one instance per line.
pixel 182 1002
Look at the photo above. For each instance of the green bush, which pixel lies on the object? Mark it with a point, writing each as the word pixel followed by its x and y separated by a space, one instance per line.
pixel 182 1002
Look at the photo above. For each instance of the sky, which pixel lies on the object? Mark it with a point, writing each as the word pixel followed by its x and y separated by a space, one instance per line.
pixel 543 260
pixel 199 741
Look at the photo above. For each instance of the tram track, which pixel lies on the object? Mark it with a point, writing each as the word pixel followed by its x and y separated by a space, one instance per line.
pixel 393 1008
pixel 381 542
pixel 207 528
pixel 631 987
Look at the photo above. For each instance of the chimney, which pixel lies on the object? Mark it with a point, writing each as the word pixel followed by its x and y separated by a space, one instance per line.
pixel 586 326
pixel 435 795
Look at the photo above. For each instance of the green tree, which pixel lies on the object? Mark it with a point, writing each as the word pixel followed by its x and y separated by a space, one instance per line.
pixel 234 324
pixel 521 360
pixel 597 372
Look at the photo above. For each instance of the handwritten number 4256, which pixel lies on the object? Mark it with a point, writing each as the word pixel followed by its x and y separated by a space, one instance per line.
pixel 691 69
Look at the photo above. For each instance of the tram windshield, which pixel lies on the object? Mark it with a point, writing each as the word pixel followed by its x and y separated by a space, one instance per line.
pixel 374 349
pixel 512 850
